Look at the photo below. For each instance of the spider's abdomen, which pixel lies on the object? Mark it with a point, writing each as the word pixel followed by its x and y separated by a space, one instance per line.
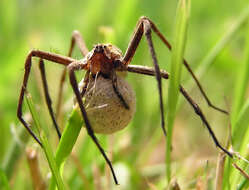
pixel 104 109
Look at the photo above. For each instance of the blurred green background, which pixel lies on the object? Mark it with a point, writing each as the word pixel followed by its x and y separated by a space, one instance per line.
pixel 138 151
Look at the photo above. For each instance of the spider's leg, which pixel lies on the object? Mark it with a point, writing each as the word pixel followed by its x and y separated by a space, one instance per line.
pixel 147 32
pixel 151 72
pixel 47 96
pixel 143 27
pixel 115 88
pixel 85 83
pixel 43 55
pixel 71 69
pixel 134 43
pixel 76 39
pixel 84 86
pixel 201 115
pixel 144 70
pixel 60 92
pixel 164 40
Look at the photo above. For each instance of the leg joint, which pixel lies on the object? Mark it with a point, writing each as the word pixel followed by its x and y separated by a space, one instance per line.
pixel 76 32
pixel 143 18
pixel 19 113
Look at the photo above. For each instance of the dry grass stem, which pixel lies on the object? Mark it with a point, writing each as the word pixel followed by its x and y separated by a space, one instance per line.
pixel 97 177
pixel 220 171
pixel 37 180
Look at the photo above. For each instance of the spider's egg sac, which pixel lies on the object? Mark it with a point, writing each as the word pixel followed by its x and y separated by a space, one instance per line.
pixel 104 108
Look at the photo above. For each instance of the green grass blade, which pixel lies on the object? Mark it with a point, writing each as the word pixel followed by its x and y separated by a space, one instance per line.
pixel 178 47
pixel 239 117
pixel 4 184
pixel 93 18
pixel 215 51
pixel 242 148
pixel 15 151
pixel 67 141
pixel 243 185
pixel 241 84
pixel 240 144
pixel 46 146
pixel 209 59
pixel 124 17
pixel 69 137
pixel 241 124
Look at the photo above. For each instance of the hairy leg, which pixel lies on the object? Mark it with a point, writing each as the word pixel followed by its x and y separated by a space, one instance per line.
pixel 139 31
pixel 47 96
pixel 151 72
pixel 28 63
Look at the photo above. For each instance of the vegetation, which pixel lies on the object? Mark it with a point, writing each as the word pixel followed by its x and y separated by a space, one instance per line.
pixel 216 45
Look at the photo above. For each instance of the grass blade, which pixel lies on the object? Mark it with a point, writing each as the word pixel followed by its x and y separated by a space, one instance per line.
pixel 178 47
pixel 242 81
pixel 243 185
pixel 15 151
pixel 67 141
pixel 209 59
pixel 46 146
pixel 239 117
pixel 241 124
pixel 124 18
pixel 4 184
pixel 215 51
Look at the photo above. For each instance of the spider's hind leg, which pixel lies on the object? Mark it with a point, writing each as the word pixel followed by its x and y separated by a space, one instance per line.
pixel 204 120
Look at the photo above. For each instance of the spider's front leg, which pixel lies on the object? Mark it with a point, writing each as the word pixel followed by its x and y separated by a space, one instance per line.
pixel 28 63
pixel 144 27
pixel 71 69
pixel 144 23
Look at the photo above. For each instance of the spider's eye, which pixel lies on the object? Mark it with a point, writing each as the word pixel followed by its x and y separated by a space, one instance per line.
pixel 98 49
pixel 104 46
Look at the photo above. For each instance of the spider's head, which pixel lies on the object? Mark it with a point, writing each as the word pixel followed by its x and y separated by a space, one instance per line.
pixel 108 50
pixel 102 58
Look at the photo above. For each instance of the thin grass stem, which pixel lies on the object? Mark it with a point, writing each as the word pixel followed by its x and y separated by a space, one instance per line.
pixel 46 146
pixel 178 48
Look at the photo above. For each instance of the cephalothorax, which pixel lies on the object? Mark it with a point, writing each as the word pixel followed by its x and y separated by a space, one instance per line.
pixel 103 61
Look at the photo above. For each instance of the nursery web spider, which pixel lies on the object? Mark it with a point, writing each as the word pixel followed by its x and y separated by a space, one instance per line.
pixel 103 60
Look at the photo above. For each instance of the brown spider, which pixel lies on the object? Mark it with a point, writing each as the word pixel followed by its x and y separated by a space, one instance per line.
pixel 104 60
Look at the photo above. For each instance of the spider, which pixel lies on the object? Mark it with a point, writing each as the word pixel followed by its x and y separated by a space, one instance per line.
pixel 105 60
